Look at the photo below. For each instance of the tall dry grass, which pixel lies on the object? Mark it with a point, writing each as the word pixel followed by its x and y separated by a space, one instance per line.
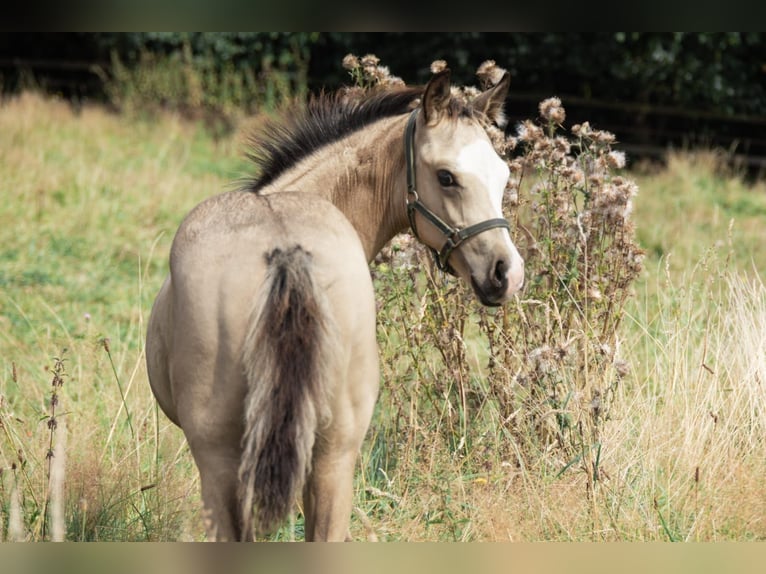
pixel 87 202
pixel 681 456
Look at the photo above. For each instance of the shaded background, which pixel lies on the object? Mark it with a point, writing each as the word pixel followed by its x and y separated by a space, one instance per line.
pixel 653 90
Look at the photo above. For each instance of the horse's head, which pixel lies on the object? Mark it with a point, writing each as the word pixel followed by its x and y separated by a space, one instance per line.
pixel 456 182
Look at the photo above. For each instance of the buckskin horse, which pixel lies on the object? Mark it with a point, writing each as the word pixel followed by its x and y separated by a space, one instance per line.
pixel 261 343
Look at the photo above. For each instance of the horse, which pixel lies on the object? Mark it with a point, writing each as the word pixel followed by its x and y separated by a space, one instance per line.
pixel 261 343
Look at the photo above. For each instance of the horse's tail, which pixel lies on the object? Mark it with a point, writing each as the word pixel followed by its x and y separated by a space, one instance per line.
pixel 285 358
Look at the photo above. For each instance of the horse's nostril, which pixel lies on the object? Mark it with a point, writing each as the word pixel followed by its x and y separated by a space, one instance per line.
pixel 500 273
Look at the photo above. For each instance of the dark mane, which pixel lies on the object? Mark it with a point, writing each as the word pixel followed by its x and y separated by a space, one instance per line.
pixel 326 118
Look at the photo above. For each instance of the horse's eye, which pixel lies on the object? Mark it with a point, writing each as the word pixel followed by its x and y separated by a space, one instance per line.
pixel 446 179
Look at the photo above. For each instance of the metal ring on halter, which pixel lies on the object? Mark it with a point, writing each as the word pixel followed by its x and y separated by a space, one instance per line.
pixel 455 236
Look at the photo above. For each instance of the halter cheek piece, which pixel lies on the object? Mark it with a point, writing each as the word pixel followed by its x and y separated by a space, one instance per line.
pixel 455 236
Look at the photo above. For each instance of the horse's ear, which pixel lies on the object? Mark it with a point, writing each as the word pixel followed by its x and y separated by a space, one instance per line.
pixel 492 101
pixel 436 96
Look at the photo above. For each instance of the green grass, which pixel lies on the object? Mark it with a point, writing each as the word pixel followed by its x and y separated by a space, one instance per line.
pixel 89 205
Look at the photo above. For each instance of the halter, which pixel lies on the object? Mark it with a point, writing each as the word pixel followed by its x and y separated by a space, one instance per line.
pixel 455 236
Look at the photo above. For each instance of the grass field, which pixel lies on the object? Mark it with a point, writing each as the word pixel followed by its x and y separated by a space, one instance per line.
pixel 89 205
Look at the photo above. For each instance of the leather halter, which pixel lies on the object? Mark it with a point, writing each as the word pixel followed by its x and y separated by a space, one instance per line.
pixel 455 236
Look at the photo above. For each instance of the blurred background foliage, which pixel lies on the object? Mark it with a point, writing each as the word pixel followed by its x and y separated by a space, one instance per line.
pixel 716 72
pixel 652 89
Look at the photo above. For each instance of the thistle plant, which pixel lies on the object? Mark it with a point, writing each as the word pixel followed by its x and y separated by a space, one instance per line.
pixel 560 342
pixel 57 381
pixel 55 457
pixel 553 353
pixel 366 72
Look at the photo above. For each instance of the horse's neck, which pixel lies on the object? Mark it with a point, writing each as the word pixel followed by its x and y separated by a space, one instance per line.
pixel 363 175
pixel 371 188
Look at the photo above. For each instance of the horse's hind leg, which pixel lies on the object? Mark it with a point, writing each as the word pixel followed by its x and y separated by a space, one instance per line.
pixel 218 469
pixel 212 423
pixel 328 493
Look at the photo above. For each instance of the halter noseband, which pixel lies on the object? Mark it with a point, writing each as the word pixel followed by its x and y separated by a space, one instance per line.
pixel 455 236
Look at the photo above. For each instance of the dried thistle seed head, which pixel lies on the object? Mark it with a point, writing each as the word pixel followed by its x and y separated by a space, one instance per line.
pixel 350 62
pixel 562 146
pixel 516 166
pixel 370 61
pixel 615 159
pixel 594 293
pixel 351 93
pixel 596 180
pixel 573 174
pixel 543 359
pixel 437 66
pixel 595 404
pixel 489 74
pixel 621 368
pixel 498 139
pixel 628 187
pixel 552 110
pixel 635 261
pixel 527 131
pixel 604 137
pixel 393 81
pixel 563 350
pixel 468 93
pixel 582 130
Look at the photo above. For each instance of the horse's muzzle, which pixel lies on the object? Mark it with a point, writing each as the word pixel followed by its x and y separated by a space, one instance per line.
pixel 501 282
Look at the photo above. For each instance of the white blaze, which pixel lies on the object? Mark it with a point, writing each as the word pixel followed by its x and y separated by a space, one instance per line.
pixel 480 160
pixel 487 170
